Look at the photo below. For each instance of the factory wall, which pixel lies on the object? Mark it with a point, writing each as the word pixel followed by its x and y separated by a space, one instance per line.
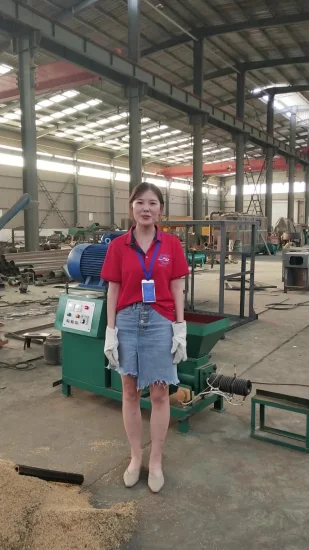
pixel 93 199
pixel 93 189
pixel 280 200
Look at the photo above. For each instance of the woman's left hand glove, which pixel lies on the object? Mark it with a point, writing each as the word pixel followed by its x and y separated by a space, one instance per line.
pixel 179 347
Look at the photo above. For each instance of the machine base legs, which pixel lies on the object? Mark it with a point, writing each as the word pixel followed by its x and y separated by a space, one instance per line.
pixel 219 405
pixel 66 390
pixel 183 426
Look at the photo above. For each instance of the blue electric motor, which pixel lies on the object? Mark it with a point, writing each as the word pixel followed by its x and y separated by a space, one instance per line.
pixel 108 237
pixel 85 263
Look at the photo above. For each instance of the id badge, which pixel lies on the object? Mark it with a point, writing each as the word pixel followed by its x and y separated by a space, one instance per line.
pixel 148 291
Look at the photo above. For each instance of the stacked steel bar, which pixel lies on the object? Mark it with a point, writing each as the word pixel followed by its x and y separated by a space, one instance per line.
pixel 46 264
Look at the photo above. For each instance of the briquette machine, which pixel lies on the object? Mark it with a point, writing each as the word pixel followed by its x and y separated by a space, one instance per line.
pixel 82 318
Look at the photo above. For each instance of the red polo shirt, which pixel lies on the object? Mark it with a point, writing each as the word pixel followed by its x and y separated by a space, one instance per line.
pixel 123 266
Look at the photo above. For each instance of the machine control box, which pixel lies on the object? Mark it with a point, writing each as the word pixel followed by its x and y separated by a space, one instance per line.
pixel 78 315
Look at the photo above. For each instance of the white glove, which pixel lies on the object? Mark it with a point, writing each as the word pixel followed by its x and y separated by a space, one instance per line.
pixel 111 346
pixel 179 348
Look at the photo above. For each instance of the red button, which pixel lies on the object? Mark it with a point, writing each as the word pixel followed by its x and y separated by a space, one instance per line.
pixel 86 307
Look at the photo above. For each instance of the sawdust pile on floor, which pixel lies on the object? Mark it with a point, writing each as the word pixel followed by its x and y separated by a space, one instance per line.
pixel 36 515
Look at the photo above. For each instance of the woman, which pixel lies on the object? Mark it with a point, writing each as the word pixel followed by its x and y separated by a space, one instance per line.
pixel 146 332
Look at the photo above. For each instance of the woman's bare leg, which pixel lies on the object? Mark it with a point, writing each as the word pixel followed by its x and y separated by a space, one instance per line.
pixel 159 422
pixel 132 420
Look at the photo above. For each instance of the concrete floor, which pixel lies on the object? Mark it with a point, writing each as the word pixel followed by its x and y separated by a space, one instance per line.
pixel 223 489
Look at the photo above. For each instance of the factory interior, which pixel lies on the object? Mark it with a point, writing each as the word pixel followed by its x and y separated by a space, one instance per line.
pixel 209 101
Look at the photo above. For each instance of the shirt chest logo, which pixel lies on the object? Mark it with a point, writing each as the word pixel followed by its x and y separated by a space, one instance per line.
pixel 164 259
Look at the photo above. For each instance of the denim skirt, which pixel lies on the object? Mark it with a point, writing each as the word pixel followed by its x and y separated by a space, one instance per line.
pixel 145 342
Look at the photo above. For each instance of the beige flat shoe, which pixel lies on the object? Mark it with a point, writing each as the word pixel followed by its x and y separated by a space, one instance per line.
pixel 131 478
pixel 155 483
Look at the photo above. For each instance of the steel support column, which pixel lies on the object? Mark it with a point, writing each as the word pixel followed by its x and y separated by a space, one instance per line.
pixel 25 48
pixel 306 194
pixel 134 91
pixel 167 198
pixel 206 196
pixel 189 199
pixel 75 191
pixel 269 163
pixel 198 123
pixel 112 190
pixel 292 165
pixel 240 144
pixel 206 203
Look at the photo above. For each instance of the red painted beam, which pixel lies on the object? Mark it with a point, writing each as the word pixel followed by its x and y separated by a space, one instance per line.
pixel 219 168
pixel 52 77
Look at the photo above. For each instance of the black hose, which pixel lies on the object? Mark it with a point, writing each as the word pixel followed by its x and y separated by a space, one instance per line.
pixel 230 384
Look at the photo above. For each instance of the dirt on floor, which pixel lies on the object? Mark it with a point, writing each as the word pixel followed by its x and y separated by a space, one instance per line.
pixel 38 515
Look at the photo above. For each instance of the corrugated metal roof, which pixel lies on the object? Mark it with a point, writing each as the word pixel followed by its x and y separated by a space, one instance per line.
pixel 106 22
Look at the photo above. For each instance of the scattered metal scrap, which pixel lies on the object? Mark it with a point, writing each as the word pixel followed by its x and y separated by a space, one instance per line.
pixel 237 284
pixel 23 268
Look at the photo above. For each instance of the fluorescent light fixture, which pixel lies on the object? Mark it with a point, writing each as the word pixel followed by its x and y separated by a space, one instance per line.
pixel 176 132
pixel 38 122
pixel 94 102
pixel 46 119
pixel 11 116
pixel 81 106
pixel 58 98
pixel 60 134
pixel 151 130
pixel 38 108
pixel 57 115
pixel 145 119
pixel 166 134
pixel 121 127
pixel 71 93
pixel 113 118
pixel 103 121
pixel 100 133
pixel 18 111
pixel 69 111
pixel 91 125
pixel 109 130
pixel 70 131
pixel 45 103
pixel 81 128
pixel 124 114
pixel 79 139
pixel 4 69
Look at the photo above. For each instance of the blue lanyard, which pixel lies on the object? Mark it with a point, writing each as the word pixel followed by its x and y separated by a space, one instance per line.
pixel 142 261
